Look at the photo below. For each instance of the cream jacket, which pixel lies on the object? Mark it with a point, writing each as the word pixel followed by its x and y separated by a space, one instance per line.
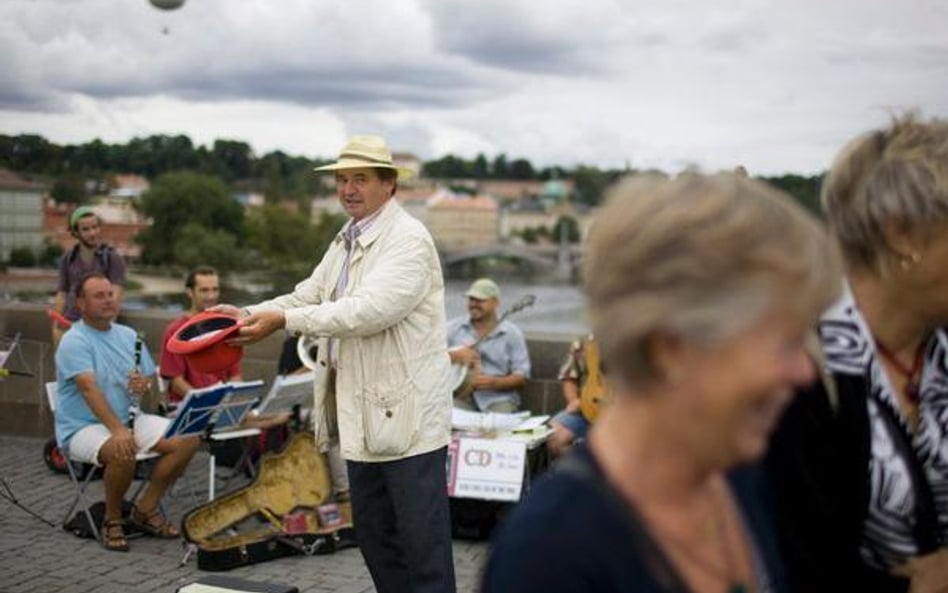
pixel 393 385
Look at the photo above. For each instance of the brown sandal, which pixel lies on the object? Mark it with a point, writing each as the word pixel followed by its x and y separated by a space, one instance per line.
pixel 113 536
pixel 154 524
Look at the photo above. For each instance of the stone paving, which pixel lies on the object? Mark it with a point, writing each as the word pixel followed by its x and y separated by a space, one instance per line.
pixel 38 558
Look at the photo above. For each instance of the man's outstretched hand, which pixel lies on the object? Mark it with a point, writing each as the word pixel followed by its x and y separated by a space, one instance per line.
pixel 258 326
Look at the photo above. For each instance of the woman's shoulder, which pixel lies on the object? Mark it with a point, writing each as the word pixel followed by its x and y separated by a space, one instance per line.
pixel 563 502
pixel 565 536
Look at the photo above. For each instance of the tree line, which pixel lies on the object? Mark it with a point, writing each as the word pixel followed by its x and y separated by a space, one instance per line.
pixel 196 219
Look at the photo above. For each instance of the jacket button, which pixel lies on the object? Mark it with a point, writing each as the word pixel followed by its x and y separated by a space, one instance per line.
pixel 388 413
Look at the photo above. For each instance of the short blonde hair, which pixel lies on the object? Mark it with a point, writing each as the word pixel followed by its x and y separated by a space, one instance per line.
pixel 898 175
pixel 699 257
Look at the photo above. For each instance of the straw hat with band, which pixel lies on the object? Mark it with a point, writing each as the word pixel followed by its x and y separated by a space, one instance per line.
pixel 365 151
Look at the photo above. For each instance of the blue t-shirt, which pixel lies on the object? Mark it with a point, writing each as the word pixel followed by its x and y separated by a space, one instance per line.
pixel 110 356
pixel 503 352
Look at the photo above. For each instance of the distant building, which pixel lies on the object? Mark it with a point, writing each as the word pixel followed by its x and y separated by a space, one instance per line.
pixel 21 213
pixel 507 191
pixel 463 222
pixel 415 199
pixel 249 199
pixel 324 206
pixel 127 188
pixel 406 160
pixel 544 210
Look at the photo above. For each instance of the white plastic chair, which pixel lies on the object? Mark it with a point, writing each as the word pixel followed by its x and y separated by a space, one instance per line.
pixel 81 484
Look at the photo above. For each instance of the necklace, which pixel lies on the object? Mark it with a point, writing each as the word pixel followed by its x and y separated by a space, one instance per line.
pixel 726 572
pixel 912 374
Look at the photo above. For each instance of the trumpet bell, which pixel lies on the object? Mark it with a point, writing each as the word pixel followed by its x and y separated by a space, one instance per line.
pixel 306 350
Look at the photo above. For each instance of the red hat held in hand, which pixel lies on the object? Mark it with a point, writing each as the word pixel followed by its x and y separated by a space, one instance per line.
pixel 201 340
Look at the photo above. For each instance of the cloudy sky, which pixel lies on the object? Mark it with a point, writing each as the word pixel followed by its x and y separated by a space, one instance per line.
pixel 774 85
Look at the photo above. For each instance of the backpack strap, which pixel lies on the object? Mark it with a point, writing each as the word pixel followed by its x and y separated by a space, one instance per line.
pixel 104 255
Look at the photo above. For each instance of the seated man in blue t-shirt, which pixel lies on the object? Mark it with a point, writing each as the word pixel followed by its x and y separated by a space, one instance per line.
pixel 100 372
pixel 496 353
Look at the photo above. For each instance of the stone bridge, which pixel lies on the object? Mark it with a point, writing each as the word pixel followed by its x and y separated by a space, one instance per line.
pixel 560 262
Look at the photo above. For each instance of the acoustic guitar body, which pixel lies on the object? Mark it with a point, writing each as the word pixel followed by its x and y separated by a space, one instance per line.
pixel 592 394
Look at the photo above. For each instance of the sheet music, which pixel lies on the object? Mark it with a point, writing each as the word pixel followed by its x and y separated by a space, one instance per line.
pixel 288 391
pixel 532 423
pixel 195 413
pixel 485 421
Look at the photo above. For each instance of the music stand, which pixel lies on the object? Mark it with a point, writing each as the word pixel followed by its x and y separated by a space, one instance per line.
pixel 216 413
pixel 237 404
pixel 7 348
pixel 288 392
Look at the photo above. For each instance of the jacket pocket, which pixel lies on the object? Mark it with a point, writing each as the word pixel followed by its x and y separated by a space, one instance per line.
pixel 388 418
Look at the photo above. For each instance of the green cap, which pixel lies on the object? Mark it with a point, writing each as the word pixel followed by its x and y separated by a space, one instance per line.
pixel 80 212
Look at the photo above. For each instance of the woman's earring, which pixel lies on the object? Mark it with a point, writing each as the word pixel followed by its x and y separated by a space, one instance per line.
pixel 907 261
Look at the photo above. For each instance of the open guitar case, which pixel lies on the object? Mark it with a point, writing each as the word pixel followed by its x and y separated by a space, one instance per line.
pixel 286 510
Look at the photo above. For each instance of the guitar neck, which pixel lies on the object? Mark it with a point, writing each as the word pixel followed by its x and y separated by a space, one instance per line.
pixel 486 334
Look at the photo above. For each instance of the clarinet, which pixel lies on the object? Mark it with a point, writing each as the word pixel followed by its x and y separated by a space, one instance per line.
pixel 133 407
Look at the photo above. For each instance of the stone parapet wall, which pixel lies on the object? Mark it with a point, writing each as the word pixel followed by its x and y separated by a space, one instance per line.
pixel 23 407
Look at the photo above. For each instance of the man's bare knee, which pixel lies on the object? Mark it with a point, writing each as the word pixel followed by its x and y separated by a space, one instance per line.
pixel 176 444
pixel 109 454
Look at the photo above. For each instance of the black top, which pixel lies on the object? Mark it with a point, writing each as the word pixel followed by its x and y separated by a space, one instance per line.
pixel 817 468
pixel 570 535
pixel 857 491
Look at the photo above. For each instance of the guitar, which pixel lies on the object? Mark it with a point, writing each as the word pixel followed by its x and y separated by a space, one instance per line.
pixel 461 374
pixel 593 393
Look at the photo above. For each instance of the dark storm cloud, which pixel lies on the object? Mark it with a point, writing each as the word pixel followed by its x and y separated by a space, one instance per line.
pixel 321 58
pixel 362 88
pixel 775 85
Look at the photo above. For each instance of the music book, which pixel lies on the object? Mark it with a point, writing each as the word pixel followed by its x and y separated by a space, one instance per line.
pixel 243 396
pixel 196 411
pixel 287 392
pixel 485 421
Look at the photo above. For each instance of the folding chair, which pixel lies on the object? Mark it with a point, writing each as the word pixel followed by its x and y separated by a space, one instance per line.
pixel 81 484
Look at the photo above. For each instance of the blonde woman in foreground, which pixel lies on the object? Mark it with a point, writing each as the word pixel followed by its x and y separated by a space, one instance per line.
pixel 701 291
pixel 861 474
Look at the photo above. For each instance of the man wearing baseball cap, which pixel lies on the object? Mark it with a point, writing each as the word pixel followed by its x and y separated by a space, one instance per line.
pixel 496 353
pixel 376 304
pixel 88 255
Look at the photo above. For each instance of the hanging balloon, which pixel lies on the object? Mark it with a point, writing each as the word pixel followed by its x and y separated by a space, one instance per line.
pixel 167 4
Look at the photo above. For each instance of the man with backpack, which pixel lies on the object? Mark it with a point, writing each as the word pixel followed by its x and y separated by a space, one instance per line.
pixel 88 255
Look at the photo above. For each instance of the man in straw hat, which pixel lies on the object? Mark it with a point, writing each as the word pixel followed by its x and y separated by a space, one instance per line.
pixel 376 301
